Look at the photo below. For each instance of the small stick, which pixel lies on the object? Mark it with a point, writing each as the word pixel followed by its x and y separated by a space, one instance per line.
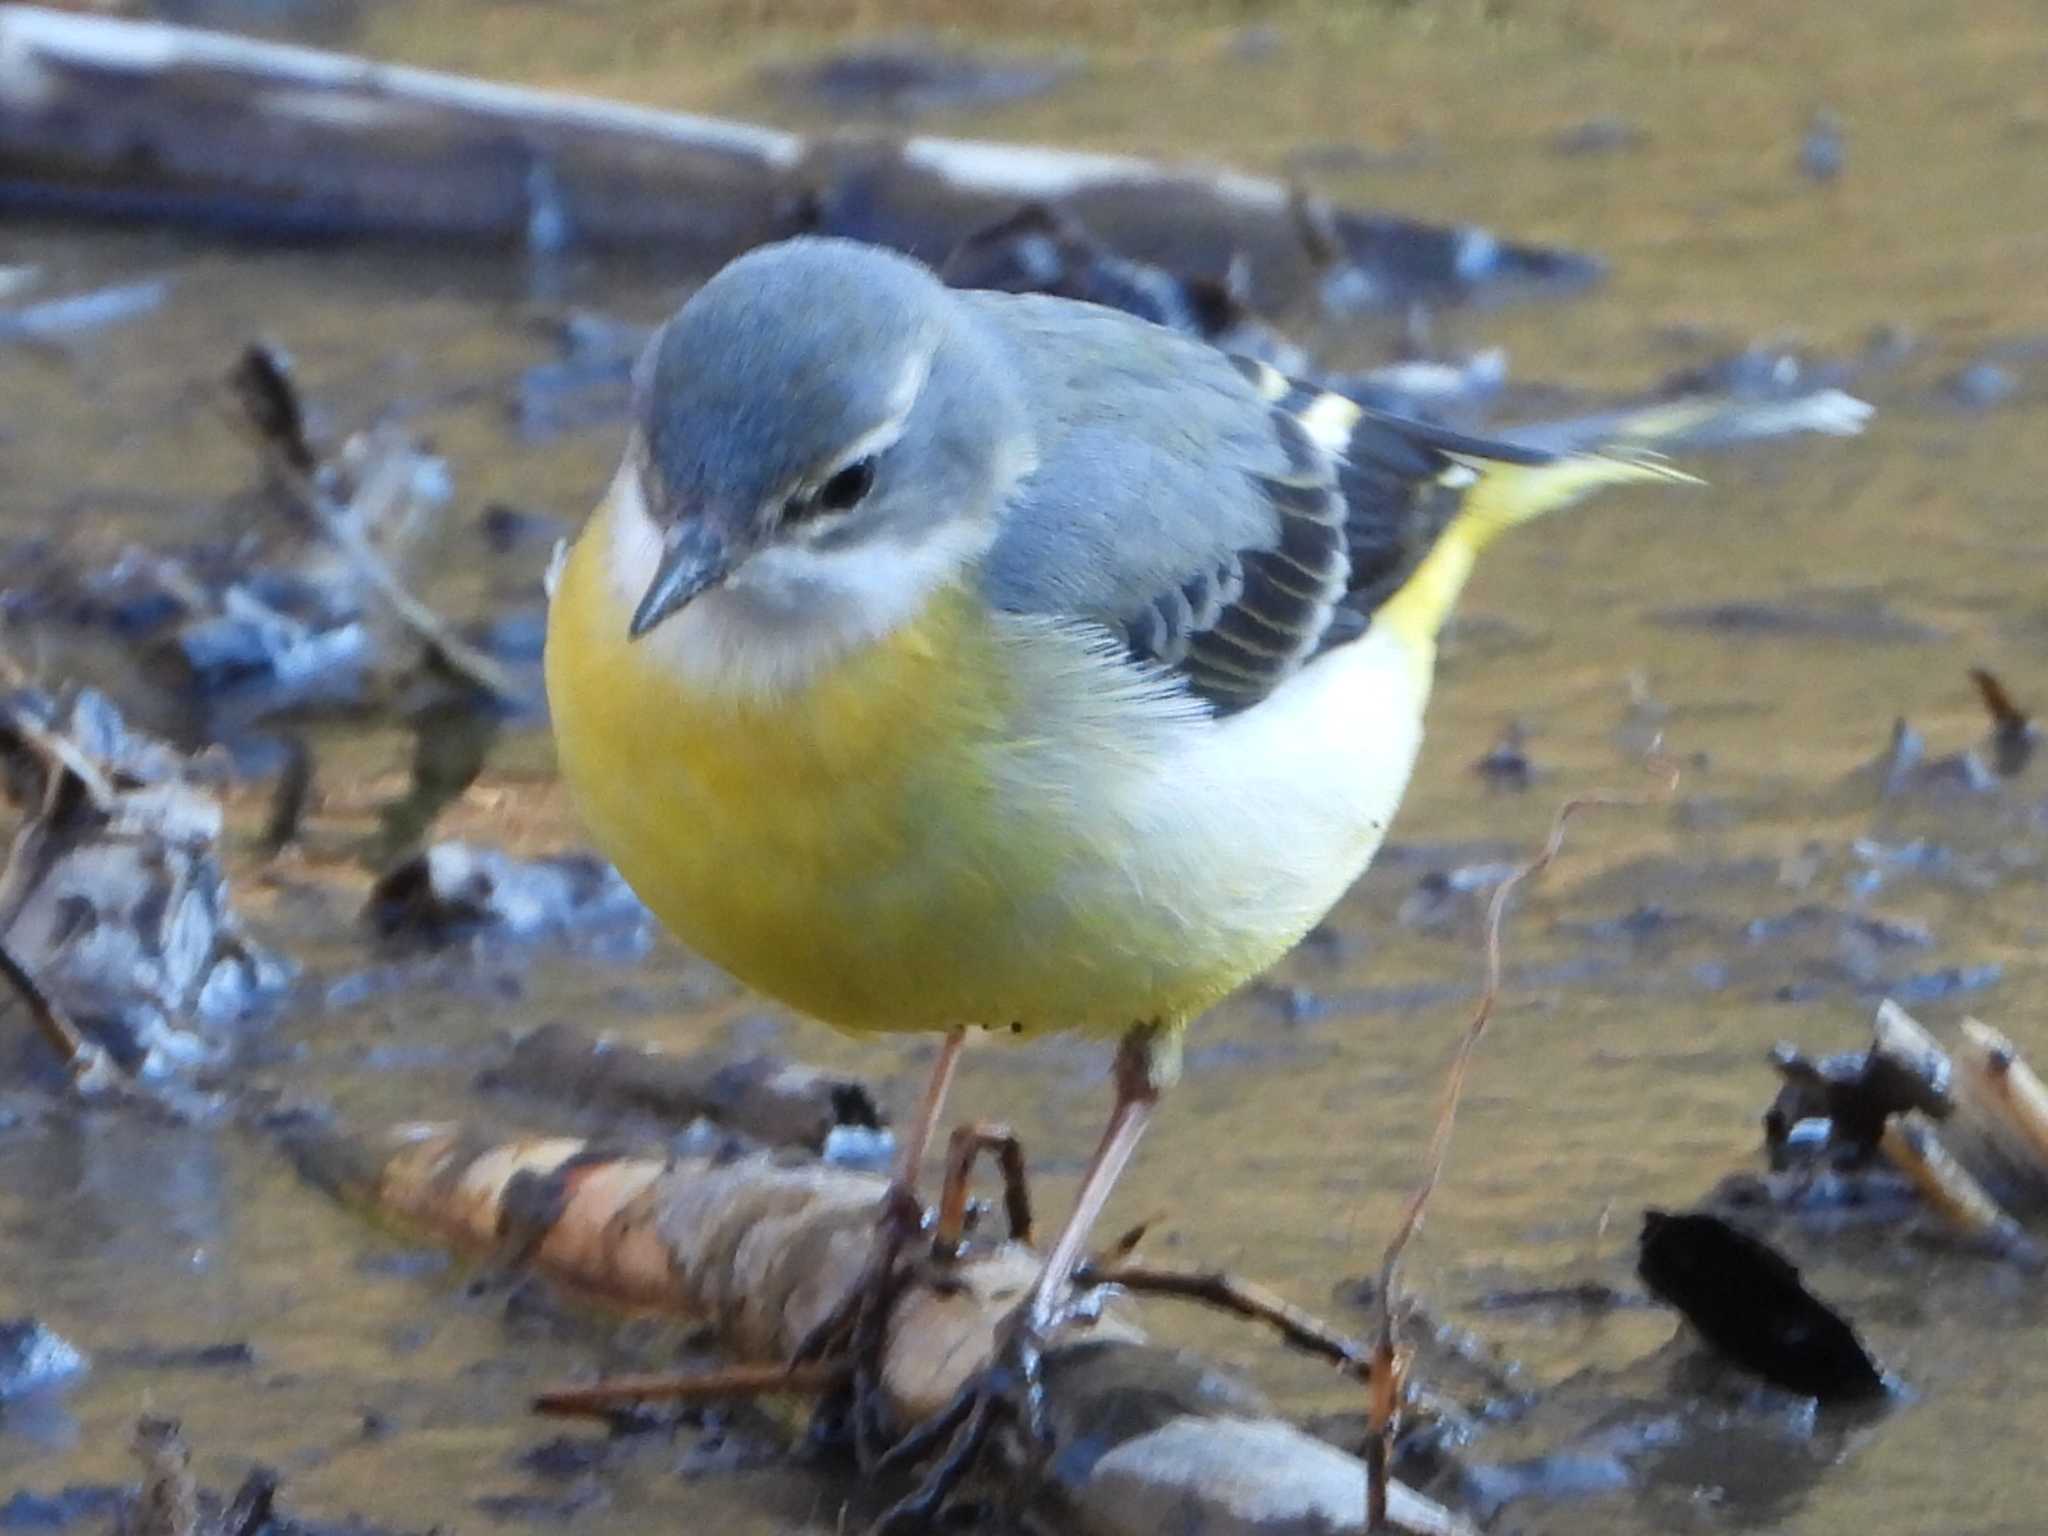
pixel 2013 733
pixel 1899 1041
pixel 252 1507
pixel 1384 1401
pixel 89 1064
pixel 1383 1410
pixel 1225 1292
pixel 2008 1090
pixel 604 1398
pixel 1125 1245
pixel 288 801
pixel 1950 1189
pixel 283 451
pixel 87 1061
pixel 1243 1298
pixel 963 1150
pixel 62 753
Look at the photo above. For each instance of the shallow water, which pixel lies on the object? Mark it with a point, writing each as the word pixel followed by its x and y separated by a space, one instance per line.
pixel 1626 1068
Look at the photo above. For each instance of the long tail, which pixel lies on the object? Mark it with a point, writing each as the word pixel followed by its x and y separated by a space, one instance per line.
pixel 1497 495
pixel 1541 469
pixel 1505 495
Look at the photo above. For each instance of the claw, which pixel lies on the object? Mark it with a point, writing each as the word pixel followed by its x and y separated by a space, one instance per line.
pixel 899 1218
pixel 917 1510
pixel 1008 1391
pixel 853 1330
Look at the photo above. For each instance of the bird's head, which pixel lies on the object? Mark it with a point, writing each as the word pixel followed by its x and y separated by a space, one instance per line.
pixel 821 435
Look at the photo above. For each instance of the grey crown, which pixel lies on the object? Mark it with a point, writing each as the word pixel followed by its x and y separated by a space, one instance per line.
pixel 1169 498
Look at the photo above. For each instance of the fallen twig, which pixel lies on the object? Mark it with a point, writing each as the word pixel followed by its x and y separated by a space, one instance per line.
pixel 84 1059
pixel 769 1101
pixel 963 1149
pixel 1242 1298
pixel 1997 1081
pixel 1987 1161
pixel 2014 734
pixel 253 137
pixel 1950 1190
pixel 114 911
pixel 763 1248
pixel 168 1503
pixel 272 418
pixel 1388 1362
pixel 603 1399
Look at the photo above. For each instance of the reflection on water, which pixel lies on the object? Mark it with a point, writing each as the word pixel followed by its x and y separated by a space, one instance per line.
pixel 1649 971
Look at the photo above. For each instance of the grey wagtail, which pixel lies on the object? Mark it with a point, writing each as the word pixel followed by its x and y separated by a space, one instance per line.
pixel 944 659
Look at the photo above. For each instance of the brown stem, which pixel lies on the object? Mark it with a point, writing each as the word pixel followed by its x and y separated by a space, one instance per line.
pixel 963 1151
pixel 602 1398
pixel 1242 1298
pixel 282 456
pixel 1385 1397
pixel 64 1037
pixel 1383 1410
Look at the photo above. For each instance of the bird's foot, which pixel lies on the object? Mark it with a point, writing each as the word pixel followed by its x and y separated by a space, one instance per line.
pixel 855 1328
pixel 1006 1396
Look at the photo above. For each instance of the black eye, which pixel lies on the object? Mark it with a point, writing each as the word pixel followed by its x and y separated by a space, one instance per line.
pixel 845 489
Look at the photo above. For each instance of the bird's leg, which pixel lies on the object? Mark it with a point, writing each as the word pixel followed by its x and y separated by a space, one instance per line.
pixel 1010 1388
pixel 1146 1063
pixel 901 1214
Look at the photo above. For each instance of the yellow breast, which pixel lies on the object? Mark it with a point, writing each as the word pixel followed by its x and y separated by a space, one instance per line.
pixel 969 821
pixel 828 846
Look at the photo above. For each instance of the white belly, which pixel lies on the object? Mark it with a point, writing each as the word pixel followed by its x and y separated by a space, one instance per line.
pixel 1274 812
pixel 1212 846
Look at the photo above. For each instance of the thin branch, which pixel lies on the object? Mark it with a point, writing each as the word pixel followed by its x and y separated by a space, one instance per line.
pixel 54 1025
pixel 1387 1358
pixel 280 442
pixel 604 1398
pixel 963 1150
pixel 1243 1298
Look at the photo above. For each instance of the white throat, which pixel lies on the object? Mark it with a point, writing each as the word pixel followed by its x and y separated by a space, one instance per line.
pixel 788 612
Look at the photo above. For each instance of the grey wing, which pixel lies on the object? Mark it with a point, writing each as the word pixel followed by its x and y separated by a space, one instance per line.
pixel 1183 501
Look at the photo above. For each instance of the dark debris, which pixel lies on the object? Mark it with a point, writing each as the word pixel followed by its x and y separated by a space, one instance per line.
pixel 1600 136
pixel 1748 1303
pixel 1378 262
pixel 1042 248
pixel 1506 764
pixel 909 77
pixel 74 1504
pixel 227 1355
pixel 1861 619
pixel 115 899
pixel 454 892
pixel 1834 1109
pixel 171 1503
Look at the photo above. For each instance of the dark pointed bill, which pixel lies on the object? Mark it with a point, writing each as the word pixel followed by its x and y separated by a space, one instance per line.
pixel 693 560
